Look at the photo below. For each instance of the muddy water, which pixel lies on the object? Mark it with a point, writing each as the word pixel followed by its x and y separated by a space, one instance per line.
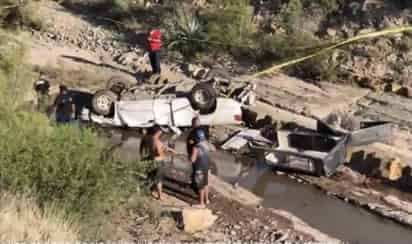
pixel 330 215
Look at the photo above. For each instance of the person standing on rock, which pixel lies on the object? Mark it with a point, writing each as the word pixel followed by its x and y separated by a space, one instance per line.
pixel 154 41
pixel 64 105
pixel 200 159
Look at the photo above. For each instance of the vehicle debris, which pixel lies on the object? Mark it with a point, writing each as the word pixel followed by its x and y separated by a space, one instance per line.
pixel 319 152
pixel 241 139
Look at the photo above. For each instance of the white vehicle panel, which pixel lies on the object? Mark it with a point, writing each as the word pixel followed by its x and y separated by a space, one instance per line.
pixel 227 112
pixel 135 113
pixel 182 112
pixel 162 109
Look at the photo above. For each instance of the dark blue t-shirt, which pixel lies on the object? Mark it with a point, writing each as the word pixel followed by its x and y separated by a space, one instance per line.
pixel 64 107
pixel 202 160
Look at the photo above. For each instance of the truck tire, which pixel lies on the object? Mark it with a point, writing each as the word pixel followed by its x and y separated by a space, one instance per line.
pixel 116 84
pixel 103 101
pixel 203 97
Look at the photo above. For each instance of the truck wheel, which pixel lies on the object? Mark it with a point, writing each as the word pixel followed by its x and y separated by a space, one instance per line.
pixel 203 97
pixel 116 84
pixel 103 101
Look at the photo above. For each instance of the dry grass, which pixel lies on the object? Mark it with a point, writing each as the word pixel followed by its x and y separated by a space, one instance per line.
pixel 22 220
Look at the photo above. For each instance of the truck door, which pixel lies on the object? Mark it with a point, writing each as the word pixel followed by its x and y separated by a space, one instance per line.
pixel 162 111
pixel 371 132
pixel 335 158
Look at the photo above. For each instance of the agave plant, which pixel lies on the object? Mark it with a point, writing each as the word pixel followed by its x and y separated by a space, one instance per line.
pixel 185 33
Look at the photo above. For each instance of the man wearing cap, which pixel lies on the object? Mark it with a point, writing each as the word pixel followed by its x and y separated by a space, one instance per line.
pixel 200 160
pixel 154 44
pixel 64 106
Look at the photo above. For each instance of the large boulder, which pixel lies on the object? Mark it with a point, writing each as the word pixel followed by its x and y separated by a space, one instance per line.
pixel 197 219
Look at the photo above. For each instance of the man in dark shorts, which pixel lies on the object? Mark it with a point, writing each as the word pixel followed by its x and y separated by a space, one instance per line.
pixel 200 160
pixel 158 154
pixel 64 106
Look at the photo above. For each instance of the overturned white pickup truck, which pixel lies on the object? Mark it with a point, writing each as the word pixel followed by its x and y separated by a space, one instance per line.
pixel 130 109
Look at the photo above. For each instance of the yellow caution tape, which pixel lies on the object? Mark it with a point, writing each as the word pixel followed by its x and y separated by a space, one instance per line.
pixel 361 37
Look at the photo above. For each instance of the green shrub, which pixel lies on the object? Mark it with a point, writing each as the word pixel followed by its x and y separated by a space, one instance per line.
pixel 63 165
pixel 291 13
pixel 185 33
pixel 231 25
pixel 328 6
pixel 225 27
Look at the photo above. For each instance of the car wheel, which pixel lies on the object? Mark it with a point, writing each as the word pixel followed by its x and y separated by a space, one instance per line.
pixel 103 101
pixel 203 97
pixel 116 84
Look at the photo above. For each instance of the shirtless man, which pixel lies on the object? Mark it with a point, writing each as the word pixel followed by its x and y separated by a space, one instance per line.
pixel 158 154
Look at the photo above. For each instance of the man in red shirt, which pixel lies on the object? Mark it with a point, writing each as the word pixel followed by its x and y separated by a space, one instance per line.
pixel 154 44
